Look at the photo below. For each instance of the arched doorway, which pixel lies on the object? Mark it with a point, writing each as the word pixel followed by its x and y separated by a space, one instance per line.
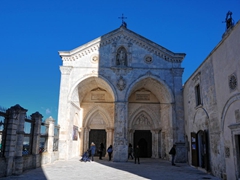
pixel 97 136
pixel 143 138
pixel 97 106
pixel 150 109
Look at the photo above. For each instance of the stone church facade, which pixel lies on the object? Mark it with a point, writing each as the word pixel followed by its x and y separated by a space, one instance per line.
pixel 118 89
pixel 212 109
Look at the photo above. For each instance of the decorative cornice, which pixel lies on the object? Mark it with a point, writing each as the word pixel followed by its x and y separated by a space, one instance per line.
pixel 155 48
pixel 113 37
pixel 78 54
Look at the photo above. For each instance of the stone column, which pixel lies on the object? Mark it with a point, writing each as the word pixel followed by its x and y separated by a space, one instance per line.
pixel 37 119
pixel 62 112
pixel 50 139
pixel 14 141
pixel 178 117
pixel 50 121
pixel 155 141
pixel 130 136
pixel 81 136
pixel 86 139
pixel 120 146
pixel 109 137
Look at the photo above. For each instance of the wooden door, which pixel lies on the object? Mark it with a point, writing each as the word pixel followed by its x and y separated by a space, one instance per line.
pixel 194 149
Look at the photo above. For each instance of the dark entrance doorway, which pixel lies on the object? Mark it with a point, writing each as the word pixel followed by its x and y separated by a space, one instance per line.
pixel 237 141
pixel 199 148
pixel 97 136
pixel 143 138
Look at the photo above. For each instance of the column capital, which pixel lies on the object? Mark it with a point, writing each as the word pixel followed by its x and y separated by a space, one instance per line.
pixel 109 129
pixel 131 130
pixel 66 70
pixel 14 111
pixel 156 131
pixel 36 116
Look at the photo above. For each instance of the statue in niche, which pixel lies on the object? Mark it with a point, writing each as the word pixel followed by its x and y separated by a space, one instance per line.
pixel 121 57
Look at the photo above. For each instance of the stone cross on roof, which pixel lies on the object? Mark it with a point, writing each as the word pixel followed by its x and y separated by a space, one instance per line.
pixel 123 22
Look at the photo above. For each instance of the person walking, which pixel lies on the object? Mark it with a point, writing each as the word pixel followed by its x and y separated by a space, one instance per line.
pixel 92 150
pixel 110 150
pixel 130 151
pixel 101 150
pixel 137 154
pixel 173 153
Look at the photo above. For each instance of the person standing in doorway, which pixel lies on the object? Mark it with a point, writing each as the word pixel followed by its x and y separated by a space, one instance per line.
pixel 130 151
pixel 101 150
pixel 137 154
pixel 173 153
pixel 110 150
pixel 92 150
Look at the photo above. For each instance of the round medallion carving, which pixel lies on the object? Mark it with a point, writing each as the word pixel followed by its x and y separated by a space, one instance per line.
pixel 94 59
pixel 232 82
pixel 148 59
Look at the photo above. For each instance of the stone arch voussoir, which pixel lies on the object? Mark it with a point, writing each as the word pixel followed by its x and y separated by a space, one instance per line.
pixel 73 93
pixel 168 96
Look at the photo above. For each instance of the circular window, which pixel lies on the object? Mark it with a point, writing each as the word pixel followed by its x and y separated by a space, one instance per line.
pixel 232 82
pixel 148 59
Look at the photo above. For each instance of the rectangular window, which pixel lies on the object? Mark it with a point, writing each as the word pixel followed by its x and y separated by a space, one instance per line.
pixel 198 95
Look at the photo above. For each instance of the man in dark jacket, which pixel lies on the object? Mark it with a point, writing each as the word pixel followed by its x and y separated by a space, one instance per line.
pixel 173 153
pixel 137 154
pixel 101 150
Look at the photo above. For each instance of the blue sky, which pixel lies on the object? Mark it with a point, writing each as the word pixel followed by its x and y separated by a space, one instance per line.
pixel 33 31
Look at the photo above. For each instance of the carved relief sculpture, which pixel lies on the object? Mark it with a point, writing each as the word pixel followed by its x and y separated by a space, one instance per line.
pixel 142 120
pixel 121 84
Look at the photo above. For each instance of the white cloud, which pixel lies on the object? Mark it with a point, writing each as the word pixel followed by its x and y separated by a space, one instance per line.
pixel 48 111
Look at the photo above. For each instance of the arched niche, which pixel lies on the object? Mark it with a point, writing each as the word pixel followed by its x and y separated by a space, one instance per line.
pixel 121 57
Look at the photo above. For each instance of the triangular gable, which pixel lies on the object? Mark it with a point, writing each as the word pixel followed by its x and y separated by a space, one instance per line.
pixel 114 36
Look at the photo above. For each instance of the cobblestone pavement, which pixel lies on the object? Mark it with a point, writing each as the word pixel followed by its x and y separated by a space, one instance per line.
pixel 155 169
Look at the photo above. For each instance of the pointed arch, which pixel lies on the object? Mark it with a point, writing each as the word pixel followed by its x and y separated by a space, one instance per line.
pixel 150 114
pixel 93 112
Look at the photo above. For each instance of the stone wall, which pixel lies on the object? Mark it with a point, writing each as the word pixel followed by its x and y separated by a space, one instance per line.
pixel 217 113
pixel 13 161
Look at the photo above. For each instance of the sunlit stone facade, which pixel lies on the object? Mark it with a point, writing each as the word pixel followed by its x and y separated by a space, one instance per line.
pixel 118 89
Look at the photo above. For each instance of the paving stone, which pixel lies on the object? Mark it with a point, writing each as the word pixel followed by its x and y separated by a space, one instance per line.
pixel 153 169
